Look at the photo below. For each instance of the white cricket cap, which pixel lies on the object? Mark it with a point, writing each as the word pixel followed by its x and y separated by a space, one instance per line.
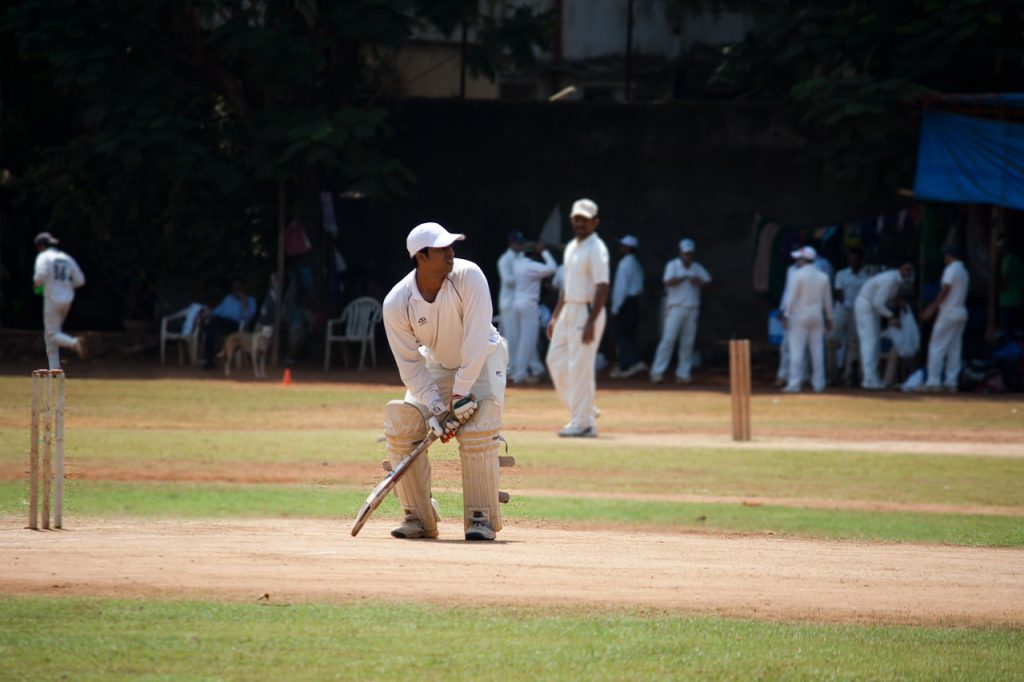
pixel 687 246
pixel 430 235
pixel 630 241
pixel 585 208
pixel 805 253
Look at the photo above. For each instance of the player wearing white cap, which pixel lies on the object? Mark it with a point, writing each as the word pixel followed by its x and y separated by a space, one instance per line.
pixel 808 316
pixel 873 303
pixel 944 348
pixel 529 273
pixel 684 278
pixel 578 321
pixel 452 361
pixel 56 276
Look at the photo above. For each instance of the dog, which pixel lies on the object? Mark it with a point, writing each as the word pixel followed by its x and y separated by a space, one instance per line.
pixel 256 344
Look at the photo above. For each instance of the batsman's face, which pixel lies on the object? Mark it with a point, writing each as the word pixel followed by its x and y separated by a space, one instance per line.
pixel 583 227
pixel 439 261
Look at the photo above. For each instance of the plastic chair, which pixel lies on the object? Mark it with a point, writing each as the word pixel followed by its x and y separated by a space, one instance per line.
pixel 357 324
pixel 186 328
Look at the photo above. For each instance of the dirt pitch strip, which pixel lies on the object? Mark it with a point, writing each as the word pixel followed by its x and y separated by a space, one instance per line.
pixel 306 560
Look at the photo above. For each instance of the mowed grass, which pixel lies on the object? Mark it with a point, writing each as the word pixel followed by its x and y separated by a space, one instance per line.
pixel 185 500
pixel 104 639
pixel 200 442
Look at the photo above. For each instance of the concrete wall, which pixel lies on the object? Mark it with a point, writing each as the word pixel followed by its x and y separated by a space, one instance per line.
pixel 661 172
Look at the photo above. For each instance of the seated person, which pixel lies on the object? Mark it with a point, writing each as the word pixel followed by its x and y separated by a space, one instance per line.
pixel 232 313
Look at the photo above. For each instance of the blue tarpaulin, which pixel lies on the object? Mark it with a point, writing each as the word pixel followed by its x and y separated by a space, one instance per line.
pixel 965 159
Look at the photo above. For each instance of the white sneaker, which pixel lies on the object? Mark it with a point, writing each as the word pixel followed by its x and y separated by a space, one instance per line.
pixel 617 373
pixel 791 389
pixel 684 380
pixel 576 432
pixel 657 378
pixel 479 530
pixel 635 369
pixel 413 529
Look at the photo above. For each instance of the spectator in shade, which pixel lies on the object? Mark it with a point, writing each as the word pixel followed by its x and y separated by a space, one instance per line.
pixel 627 285
pixel 230 315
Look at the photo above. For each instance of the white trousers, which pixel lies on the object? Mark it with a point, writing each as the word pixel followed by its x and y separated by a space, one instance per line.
pixel 510 332
pixel 54 315
pixel 844 330
pixel 680 328
pixel 571 363
pixel 527 314
pixel 806 333
pixel 490 384
pixel 868 334
pixel 945 347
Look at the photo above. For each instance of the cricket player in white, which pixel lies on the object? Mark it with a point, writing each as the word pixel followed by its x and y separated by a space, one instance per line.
pixel 683 279
pixel 808 317
pixel 945 346
pixel 529 274
pixel 848 284
pixel 578 321
pixel 873 303
pixel 452 361
pixel 57 275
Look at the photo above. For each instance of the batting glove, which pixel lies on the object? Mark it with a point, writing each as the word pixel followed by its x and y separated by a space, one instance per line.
pixel 463 407
pixel 442 422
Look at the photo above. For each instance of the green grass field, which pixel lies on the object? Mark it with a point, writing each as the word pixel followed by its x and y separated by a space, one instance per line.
pixel 116 639
pixel 216 449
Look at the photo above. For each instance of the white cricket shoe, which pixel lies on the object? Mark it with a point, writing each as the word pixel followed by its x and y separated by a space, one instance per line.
pixel 479 530
pixel 575 432
pixel 413 529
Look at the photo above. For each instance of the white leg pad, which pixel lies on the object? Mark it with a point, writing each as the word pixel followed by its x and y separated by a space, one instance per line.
pixel 479 445
pixel 404 428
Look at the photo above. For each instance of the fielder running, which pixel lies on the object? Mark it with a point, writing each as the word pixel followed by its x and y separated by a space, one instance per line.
pixel 452 361
pixel 578 321
pixel 56 276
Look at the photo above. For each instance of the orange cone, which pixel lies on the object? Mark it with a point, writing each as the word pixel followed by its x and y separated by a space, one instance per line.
pixel 287 380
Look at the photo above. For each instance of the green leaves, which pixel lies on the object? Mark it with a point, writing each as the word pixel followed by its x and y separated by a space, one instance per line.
pixel 853 70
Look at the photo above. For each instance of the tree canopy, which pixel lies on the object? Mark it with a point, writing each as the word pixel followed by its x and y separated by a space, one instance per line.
pixel 856 70
pixel 178 118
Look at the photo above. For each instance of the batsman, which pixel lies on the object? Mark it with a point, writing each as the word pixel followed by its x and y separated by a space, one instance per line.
pixel 452 361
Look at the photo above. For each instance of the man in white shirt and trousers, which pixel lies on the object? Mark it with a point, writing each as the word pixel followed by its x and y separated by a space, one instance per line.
pixel 627 285
pixel 873 303
pixel 56 275
pixel 578 321
pixel 946 344
pixel 529 273
pixel 452 361
pixel 808 315
pixel 683 278
pixel 848 284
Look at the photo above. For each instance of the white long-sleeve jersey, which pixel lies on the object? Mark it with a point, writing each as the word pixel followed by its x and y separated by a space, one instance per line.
pixel 58 274
pixel 881 289
pixel 454 330
pixel 507 279
pixel 810 294
pixel 529 274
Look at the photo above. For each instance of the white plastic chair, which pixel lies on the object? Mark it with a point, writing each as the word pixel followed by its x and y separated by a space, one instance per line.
pixel 357 324
pixel 187 334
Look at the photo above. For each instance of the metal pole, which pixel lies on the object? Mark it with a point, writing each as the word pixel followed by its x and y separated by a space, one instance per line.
pixel 629 49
